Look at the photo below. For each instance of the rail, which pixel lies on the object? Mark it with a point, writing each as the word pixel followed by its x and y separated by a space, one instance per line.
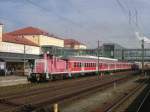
pixel 74 91
pixel 143 101
pixel 123 99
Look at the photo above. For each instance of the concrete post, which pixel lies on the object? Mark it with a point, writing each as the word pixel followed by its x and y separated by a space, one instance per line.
pixel 56 107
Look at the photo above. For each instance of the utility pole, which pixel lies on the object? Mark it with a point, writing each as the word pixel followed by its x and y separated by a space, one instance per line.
pixel 24 59
pixel 142 45
pixel 98 56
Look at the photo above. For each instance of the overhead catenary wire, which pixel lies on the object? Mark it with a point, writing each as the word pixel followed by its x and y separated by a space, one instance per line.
pixel 137 19
pixel 61 17
pixel 132 15
pixel 48 11
pixel 58 15
pixel 126 12
pixel 121 6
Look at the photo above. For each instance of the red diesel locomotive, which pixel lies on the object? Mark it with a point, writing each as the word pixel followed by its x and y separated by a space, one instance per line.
pixel 50 67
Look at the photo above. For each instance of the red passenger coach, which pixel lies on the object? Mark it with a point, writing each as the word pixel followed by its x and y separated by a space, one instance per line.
pixel 50 67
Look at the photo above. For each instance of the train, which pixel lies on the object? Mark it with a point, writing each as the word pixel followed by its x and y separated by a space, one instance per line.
pixel 49 67
pixel 146 66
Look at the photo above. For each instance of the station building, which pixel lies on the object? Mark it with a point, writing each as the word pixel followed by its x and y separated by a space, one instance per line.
pixel 112 50
pixel 74 44
pixel 39 36
pixel 22 47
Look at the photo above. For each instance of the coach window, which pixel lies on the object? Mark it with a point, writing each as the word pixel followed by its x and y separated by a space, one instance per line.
pixel 75 64
pixel 101 64
pixel 80 64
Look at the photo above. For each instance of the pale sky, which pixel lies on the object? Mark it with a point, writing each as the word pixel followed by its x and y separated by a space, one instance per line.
pixel 84 20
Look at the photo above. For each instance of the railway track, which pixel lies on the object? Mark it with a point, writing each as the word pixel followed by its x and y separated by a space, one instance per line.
pixel 144 105
pixel 111 107
pixel 51 95
pixel 52 88
pixel 52 85
pixel 57 85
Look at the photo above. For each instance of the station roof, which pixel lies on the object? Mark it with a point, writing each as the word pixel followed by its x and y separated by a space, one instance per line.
pixel 32 31
pixel 72 42
pixel 5 56
pixel 17 39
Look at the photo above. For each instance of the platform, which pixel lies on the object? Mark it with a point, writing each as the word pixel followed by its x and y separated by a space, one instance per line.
pixel 12 80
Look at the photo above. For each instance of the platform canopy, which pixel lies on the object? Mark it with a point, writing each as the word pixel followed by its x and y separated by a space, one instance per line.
pixel 4 56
